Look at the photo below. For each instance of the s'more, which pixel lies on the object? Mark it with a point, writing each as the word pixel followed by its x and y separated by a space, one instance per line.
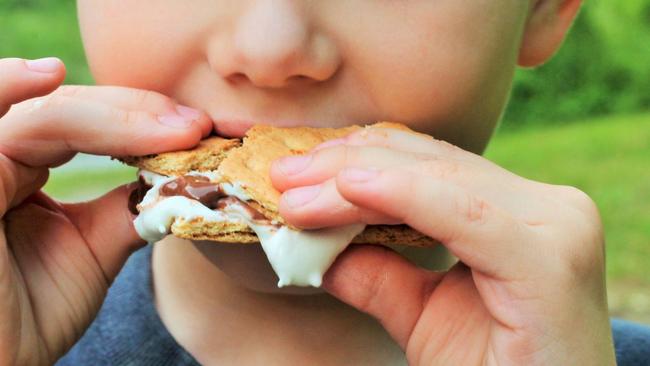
pixel 220 191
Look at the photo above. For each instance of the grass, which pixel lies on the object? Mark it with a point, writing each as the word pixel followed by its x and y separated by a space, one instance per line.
pixel 607 158
pixel 49 30
pixel 87 184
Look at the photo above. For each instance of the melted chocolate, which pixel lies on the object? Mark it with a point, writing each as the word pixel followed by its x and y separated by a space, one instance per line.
pixel 194 187
pixel 137 195
pixel 252 213
pixel 197 188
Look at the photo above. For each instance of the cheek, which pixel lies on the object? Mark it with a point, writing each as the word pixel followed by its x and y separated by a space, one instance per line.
pixel 452 61
pixel 128 45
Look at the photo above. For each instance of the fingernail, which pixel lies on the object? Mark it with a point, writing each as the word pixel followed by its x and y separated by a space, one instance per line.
pixel 175 121
pixel 330 143
pixel 188 112
pixel 301 196
pixel 294 164
pixel 359 175
pixel 45 65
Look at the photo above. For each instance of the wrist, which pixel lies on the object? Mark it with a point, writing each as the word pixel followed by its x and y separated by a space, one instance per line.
pixel 586 337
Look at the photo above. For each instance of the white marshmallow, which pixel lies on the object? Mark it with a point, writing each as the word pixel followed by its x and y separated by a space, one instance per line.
pixel 298 257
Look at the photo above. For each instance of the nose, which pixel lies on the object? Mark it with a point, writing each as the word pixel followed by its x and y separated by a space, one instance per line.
pixel 273 44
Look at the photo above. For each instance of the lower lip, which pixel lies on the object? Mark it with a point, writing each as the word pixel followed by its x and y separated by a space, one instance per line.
pixel 232 128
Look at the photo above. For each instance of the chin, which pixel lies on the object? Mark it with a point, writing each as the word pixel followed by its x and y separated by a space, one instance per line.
pixel 247 266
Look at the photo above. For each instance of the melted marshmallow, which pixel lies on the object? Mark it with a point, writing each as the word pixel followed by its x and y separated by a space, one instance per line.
pixel 301 258
pixel 298 257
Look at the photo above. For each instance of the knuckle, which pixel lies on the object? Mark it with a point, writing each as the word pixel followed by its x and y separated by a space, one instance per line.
pixel 122 116
pixel 341 155
pixel 472 209
pixel 151 99
pixel 45 107
pixel 128 118
pixel 375 136
pixel 379 136
pixel 49 102
pixel 580 200
pixel 446 146
pixel 352 155
pixel 438 168
pixel 140 97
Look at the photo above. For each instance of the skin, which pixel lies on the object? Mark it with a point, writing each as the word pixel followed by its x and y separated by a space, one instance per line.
pixel 530 288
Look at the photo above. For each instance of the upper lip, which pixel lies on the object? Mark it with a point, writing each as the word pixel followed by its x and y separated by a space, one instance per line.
pixel 236 128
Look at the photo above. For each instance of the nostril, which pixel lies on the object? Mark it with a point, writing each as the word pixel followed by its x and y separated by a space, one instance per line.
pixel 300 79
pixel 237 77
pixel 240 78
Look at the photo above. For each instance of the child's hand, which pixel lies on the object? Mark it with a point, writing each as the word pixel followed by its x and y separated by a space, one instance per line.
pixel 530 289
pixel 57 260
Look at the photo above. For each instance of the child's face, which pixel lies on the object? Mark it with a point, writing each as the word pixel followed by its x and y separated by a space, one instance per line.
pixel 443 67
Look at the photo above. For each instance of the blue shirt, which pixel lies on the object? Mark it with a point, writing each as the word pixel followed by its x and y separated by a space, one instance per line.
pixel 128 331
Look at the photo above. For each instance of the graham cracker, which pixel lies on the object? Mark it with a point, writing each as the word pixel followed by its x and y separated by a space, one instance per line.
pixel 234 233
pixel 206 156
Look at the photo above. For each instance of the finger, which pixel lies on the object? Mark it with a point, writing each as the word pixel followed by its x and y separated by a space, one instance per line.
pixel 310 169
pixel 477 232
pixel 381 283
pixel 406 141
pixel 304 206
pixel 107 226
pixel 24 79
pixel 136 99
pixel 35 180
pixel 454 312
pixel 479 176
pixel 48 131
pixel 17 182
pixel 40 199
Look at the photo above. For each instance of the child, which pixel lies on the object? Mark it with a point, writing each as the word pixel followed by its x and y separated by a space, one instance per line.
pixel 530 289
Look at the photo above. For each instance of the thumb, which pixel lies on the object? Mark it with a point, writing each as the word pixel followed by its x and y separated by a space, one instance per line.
pixel 380 282
pixel 25 79
pixel 107 226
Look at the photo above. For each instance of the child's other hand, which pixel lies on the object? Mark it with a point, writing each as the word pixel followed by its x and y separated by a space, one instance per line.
pixel 530 289
pixel 57 260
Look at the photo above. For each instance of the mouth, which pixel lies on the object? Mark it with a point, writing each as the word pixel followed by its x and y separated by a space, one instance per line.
pixel 237 128
pixel 232 128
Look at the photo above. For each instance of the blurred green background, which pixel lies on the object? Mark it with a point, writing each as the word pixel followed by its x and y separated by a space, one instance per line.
pixel 583 119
